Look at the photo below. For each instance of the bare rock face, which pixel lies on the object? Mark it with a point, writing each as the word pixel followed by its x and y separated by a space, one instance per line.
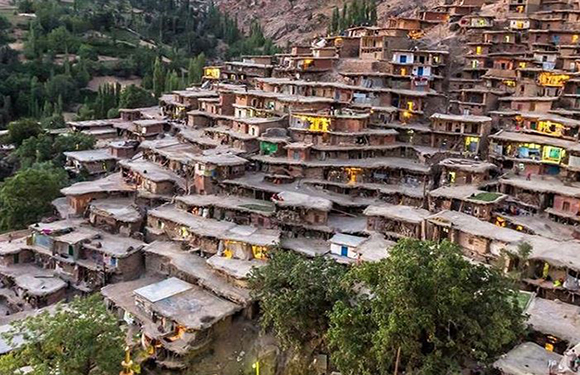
pixel 298 21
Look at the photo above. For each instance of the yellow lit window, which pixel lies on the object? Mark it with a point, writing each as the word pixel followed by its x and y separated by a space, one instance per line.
pixel 210 72
pixel 522 65
pixel 551 154
pixel 410 105
pixel 259 252
pixel 551 128
pixel 352 174
pixel 552 80
pixel 316 124
pixel 478 50
pixel 575 38
pixel 403 71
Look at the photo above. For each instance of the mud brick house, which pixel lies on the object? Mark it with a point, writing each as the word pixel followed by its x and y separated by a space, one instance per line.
pixel 170 328
pixel 349 249
pixel 79 195
pixel 466 133
pixel 396 221
pixel 240 210
pixel 296 209
pixel 466 172
pixel 115 215
pixel 467 199
pixel 90 162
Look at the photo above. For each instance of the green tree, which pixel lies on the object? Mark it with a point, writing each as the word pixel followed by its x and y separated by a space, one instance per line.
pixel 430 303
pixel 79 338
pixel 136 97
pixel 71 142
pixel 196 65
pixel 61 40
pixel 335 22
pixel 62 86
pixel 88 52
pixel 26 197
pixel 344 17
pixel 35 150
pixel 56 121
pixel 23 129
pixel 25 6
pixel 158 78
pixel 296 295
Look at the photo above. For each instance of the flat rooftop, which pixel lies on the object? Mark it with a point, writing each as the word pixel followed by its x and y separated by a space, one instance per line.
pixel 526 359
pixel 398 212
pixel 217 229
pixel 120 209
pixel 109 184
pixel 232 202
pixel 300 200
pixel 100 154
pixel 187 304
pixel 467 193
pixel 198 269
pixel 554 317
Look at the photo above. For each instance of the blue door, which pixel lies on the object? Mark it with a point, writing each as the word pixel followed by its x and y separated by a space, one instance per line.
pixel 344 251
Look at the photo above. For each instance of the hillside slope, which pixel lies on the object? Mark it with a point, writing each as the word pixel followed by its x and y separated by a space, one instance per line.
pixel 302 20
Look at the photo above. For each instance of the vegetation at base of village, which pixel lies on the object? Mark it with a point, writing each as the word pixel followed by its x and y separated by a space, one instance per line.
pixel 425 302
pixel 358 13
pixel 26 197
pixel 67 46
pixel 78 338
pixel 296 295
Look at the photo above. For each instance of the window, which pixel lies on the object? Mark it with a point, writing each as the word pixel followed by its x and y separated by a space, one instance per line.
pixel 16 258
pixel 566 206
pixel 403 59
pixel 344 251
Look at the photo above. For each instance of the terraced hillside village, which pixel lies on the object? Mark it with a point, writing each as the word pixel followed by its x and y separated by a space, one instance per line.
pixel 290 187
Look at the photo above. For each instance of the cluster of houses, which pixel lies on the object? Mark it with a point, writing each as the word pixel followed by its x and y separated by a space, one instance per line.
pixel 339 150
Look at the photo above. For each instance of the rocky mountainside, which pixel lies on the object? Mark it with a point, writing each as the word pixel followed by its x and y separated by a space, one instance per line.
pixel 291 21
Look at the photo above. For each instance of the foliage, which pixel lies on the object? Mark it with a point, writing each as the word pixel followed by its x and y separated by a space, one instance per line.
pixel 55 121
pixel 360 12
pixel 26 197
pixel 196 65
pixel 79 338
pixel 439 309
pixel 20 130
pixel 136 97
pixel 296 294
pixel 43 148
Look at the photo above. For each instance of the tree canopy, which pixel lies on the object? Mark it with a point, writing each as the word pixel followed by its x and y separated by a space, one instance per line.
pixel 79 338
pixel 19 131
pixel 296 294
pixel 26 197
pixel 428 301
